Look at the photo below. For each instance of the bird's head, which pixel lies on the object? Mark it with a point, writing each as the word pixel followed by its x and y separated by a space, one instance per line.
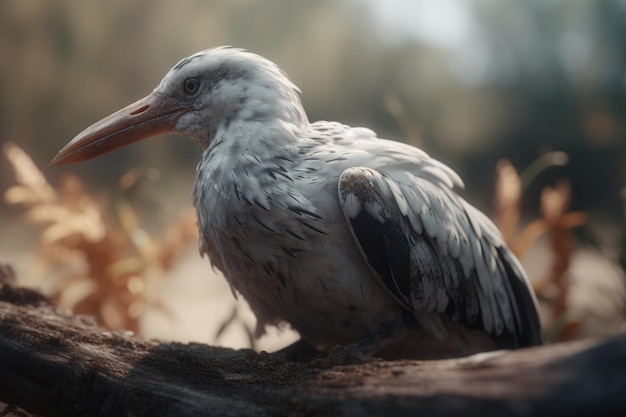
pixel 199 96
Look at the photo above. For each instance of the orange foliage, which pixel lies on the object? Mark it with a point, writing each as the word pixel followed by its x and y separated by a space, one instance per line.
pixel 110 269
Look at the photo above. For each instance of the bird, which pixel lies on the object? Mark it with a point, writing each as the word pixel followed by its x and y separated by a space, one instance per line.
pixel 344 236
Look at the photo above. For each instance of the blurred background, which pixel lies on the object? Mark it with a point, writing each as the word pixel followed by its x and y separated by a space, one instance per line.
pixel 540 84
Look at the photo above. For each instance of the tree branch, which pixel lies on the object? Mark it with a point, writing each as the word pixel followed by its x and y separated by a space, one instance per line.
pixel 56 364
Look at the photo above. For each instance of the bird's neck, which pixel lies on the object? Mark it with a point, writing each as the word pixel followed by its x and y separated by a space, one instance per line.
pixel 263 138
pixel 279 108
pixel 248 150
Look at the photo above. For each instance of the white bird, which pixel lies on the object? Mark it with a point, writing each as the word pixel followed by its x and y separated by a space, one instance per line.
pixel 324 226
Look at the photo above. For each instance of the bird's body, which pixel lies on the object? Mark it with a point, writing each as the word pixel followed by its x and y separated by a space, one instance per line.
pixel 280 221
pixel 321 225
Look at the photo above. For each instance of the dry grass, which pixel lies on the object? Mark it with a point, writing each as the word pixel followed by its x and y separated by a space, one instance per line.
pixel 108 268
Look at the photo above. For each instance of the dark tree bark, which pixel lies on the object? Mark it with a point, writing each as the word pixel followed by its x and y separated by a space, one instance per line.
pixel 56 364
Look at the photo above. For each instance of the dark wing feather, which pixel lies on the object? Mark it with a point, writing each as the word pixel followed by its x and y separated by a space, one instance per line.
pixel 437 254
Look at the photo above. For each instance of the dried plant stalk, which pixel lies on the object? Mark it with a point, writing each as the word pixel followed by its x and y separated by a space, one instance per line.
pixel 557 224
pixel 555 202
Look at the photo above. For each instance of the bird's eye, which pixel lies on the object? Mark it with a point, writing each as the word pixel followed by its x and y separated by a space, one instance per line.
pixel 191 86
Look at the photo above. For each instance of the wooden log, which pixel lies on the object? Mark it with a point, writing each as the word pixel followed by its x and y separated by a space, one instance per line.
pixel 56 364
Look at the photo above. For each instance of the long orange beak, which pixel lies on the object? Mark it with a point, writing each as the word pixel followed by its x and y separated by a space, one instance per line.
pixel 150 116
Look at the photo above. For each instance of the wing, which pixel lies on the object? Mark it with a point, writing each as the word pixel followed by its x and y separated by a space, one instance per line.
pixel 437 254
